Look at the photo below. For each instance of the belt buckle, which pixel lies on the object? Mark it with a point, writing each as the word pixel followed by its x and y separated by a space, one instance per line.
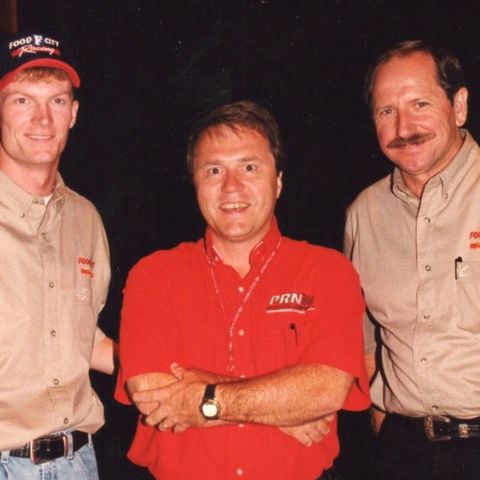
pixel 35 450
pixel 33 453
pixel 429 424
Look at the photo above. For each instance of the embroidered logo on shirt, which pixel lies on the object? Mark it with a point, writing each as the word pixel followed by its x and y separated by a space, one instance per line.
pixel 290 302
pixel 474 240
pixel 86 266
pixel 81 293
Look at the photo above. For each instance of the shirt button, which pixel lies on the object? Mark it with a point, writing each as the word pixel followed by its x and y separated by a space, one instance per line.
pixel 53 333
pixel 240 289
pixel 242 376
pixel 241 332
pixel 55 381
pixel 426 316
pixel 445 196
pixel 239 472
pixel 241 425
pixel 428 268
pixel 51 284
pixel 427 220
pixel 44 235
pixel 65 421
pixel 22 215
pixel 423 360
pixel 435 407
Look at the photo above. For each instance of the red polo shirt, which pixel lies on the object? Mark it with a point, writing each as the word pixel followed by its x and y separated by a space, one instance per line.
pixel 305 308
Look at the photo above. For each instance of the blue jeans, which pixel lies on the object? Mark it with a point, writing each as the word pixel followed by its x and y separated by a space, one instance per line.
pixel 81 465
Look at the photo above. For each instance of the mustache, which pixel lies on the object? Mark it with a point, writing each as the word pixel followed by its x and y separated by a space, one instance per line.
pixel 415 139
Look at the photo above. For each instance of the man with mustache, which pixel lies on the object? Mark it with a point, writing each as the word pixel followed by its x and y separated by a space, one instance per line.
pixel 235 348
pixel 414 238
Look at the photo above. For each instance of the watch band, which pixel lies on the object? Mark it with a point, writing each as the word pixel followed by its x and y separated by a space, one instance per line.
pixel 209 392
pixel 209 408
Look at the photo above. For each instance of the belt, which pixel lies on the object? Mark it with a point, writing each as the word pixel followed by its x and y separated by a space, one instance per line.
pixel 441 427
pixel 50 447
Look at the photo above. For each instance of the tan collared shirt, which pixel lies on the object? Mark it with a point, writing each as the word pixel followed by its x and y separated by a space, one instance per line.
pixel 53 283
pixel 419 264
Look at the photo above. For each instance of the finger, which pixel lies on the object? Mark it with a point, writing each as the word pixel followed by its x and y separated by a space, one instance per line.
pixel 322 428
pixel 177 371
pixel 146 407
pixel 146 396
pixel 163 427
pixel 315 436
pixel 305 440
pixel 179 428
pixel 155 418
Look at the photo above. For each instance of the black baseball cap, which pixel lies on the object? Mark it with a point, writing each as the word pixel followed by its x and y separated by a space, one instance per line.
pixel 26 50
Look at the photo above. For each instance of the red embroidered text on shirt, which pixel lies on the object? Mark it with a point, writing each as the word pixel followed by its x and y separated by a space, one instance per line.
pixel 86 266
pixel 475 236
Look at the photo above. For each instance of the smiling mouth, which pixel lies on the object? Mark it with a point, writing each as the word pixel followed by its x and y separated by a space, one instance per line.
pixel 234 206
pixel 39 137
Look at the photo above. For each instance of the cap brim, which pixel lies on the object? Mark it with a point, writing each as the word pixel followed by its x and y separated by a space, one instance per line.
pixel 42 62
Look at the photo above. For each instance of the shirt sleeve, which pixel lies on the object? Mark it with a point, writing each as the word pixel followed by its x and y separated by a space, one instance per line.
pixel 337 338
pixel 351 252
pixel 147 329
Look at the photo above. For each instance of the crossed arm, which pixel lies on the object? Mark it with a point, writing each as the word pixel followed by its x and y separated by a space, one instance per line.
pixel 300 400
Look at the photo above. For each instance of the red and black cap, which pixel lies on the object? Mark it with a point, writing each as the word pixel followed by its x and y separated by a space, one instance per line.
pixel 26 50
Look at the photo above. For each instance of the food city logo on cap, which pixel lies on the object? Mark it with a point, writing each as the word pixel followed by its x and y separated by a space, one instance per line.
pixel 290 302
pixel 34 44
pixel 28 50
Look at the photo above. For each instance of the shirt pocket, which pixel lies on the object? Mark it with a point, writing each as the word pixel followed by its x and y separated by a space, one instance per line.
pixel 467 286
pixel 285 336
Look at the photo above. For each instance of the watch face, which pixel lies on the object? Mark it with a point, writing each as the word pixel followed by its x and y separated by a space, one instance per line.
pixel 209 409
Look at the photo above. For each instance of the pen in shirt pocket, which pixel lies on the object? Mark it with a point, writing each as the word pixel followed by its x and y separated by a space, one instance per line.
pixel 293 327
pixel 458 266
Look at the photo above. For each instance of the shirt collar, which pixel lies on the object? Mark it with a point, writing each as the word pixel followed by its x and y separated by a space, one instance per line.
pixel 455 170
pixel 258 254
pixel 20 201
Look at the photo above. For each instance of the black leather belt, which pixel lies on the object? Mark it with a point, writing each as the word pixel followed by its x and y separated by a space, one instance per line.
pixel 50 447
pixel 440 427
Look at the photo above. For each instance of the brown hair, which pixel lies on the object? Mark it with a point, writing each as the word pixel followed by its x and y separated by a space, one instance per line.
pixel 449 70
pixel 235 115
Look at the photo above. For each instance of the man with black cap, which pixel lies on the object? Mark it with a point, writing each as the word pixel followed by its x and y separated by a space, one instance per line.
pixel 55 274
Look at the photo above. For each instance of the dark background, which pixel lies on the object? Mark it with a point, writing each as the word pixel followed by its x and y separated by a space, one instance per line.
pixel 150 68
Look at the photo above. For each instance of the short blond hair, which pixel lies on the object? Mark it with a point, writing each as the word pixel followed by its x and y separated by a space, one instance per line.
pixel 41 73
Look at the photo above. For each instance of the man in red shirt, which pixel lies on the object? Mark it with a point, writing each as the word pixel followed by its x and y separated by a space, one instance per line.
pixel 239 349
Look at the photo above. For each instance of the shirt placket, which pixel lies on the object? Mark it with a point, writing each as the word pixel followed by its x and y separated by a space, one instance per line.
pixel 422 353
pixel 48 246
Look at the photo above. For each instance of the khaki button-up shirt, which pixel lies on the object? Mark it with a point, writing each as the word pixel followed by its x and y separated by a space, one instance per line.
pixel 53 283
pixel 419 264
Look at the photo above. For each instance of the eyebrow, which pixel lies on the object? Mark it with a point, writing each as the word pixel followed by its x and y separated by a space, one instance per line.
pixel 218 161
pixel 26 94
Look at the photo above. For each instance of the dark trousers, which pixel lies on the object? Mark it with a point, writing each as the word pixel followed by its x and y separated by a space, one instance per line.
pixel 405 453
pixel 330 474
